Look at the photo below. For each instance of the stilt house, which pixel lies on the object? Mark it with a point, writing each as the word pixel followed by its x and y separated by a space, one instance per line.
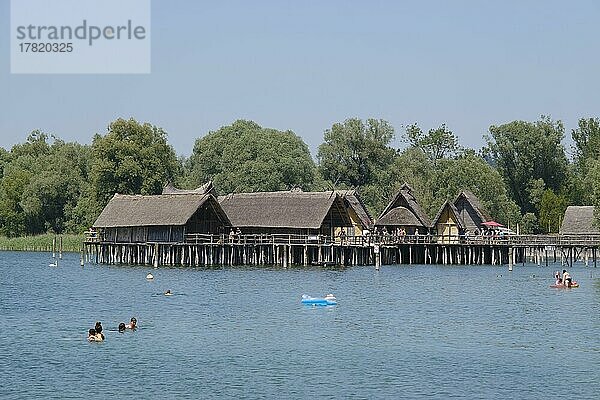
pixel 465 215
pixel 579 220
pixel 404 212
pixel 448 224
pixel 471 212
pixel 362 222
pixel 286 212
pixel 160 218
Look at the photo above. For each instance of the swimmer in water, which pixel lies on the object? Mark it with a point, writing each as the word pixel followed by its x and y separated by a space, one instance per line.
pixel 122 327
pixel 92 335
pixel 132 324
pixel 168 292
pixel 99 334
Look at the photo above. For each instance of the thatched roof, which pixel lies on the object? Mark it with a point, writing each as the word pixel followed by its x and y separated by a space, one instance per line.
pixel 355 202
pixel 208 187
pixel 453 210
pixel 579 220
pixel 471 212
pixel 288 209
pixel 405 198
pixel 399 216
pixel 160 210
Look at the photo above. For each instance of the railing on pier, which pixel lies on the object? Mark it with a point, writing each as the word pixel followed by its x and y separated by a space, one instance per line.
pixel 587 240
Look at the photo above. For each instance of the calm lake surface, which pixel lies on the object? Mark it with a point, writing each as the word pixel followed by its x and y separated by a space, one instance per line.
pixel 401 332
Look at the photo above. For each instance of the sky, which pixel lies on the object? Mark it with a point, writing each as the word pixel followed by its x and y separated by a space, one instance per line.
pixel 304 65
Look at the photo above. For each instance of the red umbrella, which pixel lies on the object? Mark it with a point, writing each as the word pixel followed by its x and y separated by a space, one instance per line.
pixel 492 224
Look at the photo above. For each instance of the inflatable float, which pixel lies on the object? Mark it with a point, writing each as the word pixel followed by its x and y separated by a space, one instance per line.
pixel 328 300
pixel 561 286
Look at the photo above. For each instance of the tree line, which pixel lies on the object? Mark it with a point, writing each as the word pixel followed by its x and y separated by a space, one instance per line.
pixel 522 175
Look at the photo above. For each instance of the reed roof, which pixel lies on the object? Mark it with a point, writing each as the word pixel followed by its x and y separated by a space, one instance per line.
pixel 286 209
pixel 355 202
pixel 208 187
pixel 452 209
pixel 405 198
pixel 579 220
pixel 399 216
pixel 470 210
pixel 159 210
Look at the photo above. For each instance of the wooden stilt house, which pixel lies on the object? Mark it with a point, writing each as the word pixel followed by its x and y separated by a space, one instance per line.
pixel 362 222
pixel 404 213
pixel 579 220
pixel 448 225
pixel 471 212
pixel 463 217
pixel 286 212
pixel 160 218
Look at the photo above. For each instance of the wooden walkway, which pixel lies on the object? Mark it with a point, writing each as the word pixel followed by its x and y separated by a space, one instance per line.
pixel 287 250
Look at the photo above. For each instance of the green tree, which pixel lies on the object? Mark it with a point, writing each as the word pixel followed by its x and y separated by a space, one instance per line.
pixel 552 209
pixel 51 195
pixel 4 160
pixel 587 139
pixel 525 151
pixel 132 158
pixel 25 162
pixel 12 217
pixel 436 143
pixel 413 167
pixel 470 171
pixel 41 184
pixel 355 152
pixel 245 157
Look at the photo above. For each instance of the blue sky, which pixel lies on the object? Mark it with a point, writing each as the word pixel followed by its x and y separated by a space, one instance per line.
pixel 304 65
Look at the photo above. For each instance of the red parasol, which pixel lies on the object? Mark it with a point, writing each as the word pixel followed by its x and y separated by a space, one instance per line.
pixel 492 224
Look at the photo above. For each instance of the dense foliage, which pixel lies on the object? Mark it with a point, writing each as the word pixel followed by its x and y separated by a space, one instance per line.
pixel 244 157
pixel 522 177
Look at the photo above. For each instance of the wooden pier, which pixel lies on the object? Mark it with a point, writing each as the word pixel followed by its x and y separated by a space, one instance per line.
pixel 303 250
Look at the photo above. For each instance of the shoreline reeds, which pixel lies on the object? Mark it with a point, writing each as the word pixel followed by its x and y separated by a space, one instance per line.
pixel 71 243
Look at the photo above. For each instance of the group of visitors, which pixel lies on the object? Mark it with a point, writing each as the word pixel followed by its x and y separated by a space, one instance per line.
pixel 95 334
pixel 565 279
pixel 233 235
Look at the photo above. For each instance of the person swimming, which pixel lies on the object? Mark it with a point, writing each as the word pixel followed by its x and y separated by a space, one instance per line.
pixel 122 327
pixel 168 292
pixel 99 334
pixel 92 335
pixel 558 278
pixel 132 324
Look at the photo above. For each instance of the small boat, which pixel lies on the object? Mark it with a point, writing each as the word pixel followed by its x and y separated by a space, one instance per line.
pixel 149 277
pixel 561 286
pixel 328 300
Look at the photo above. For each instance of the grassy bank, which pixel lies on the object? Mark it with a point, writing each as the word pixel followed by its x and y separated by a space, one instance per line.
pixel 70 243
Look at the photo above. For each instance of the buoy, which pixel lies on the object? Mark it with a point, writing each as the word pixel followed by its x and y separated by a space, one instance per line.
pixel 149 277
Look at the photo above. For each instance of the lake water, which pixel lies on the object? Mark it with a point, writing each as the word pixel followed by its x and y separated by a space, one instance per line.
pixel 401 332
